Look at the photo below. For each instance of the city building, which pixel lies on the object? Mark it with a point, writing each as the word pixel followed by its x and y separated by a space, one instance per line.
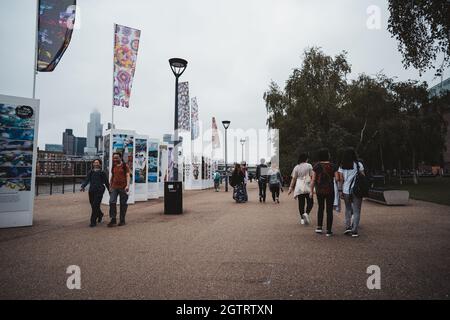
pixel 440 89
pixel 79 146
pixel 54 147
pixel 68 142
pixel 94 131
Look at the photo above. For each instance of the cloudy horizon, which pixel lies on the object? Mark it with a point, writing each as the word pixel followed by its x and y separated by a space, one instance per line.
pixel 234 49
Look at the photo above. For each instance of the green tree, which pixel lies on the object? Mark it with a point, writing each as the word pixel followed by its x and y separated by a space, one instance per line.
pixel 422 28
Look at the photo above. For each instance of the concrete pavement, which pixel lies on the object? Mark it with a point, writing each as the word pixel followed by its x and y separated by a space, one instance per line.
pixel 222 250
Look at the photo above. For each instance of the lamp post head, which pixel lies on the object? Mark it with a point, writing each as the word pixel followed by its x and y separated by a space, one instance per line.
pixel 226 124
pixel 178 66
pixel 243 141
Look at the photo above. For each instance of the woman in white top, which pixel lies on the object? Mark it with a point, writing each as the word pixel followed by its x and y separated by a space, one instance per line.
pixel 300 184
pixel 348 171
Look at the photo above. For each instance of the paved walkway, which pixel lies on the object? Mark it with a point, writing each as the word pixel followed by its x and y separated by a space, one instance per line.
pixel 221 250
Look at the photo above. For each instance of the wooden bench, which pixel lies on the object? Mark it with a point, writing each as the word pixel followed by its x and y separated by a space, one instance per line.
pixel 389 197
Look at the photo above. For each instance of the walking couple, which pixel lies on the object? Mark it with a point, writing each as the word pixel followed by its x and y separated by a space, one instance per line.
pixel 271 176
pixel 322 178
pixel 118 186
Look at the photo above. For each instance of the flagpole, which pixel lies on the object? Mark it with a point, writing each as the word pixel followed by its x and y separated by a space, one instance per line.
pixel 36 48
pixel 112 108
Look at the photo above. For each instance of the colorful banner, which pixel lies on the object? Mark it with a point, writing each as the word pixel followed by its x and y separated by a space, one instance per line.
pixel 55 26
pixel 184 114
pixel 195 126
pixel 215 135
pixel 126 45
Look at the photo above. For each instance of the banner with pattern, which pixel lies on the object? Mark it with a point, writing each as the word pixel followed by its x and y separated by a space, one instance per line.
pixel 195 126
pixel 126 45
pixel 215 134
pixel 184 114
pixel 55 27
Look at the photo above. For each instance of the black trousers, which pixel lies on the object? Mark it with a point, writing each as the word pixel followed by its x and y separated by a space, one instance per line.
pixel 262 185
pixel 302 200
pixel 95 199
pixel 325 202
pixel 275 189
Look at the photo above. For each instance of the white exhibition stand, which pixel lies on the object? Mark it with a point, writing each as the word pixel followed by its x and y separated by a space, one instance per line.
pixel 18 155
pixel 140 167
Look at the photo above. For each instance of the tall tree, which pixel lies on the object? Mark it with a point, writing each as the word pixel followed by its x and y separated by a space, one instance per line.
pixel 422 28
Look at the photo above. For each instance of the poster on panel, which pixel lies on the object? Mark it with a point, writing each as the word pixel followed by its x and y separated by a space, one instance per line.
pixel 18 156
pixel 140 168
pixel 153 169
pixel 121 141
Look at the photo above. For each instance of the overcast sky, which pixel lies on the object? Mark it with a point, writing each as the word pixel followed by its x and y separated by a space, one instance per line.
pixel 234 49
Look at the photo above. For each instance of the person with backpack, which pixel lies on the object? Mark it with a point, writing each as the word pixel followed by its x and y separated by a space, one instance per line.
pixel 237 182
pixel 261 177
pixel 354 187
pixel 217 178
pixel 275 182
pixel 301 185
pixel 97 180
pixel 322 181
pixel 120 186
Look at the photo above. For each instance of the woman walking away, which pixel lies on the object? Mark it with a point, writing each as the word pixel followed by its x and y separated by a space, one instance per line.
pixel 237 182
pixel 275 182
pixel 348 172
pixel 97 180
pixel 322 180
pixel 301 185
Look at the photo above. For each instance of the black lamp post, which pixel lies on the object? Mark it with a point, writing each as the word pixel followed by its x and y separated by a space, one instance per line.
pixel 178 66
pixel 173 189
pixel 226 124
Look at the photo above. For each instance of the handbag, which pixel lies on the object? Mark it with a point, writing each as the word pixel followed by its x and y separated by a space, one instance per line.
pixel 303 185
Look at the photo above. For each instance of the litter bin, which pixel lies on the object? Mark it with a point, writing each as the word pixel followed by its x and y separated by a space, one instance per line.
pixel 173 197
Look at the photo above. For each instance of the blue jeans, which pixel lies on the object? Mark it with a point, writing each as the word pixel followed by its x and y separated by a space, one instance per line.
pixel 123 203
pixel 352 208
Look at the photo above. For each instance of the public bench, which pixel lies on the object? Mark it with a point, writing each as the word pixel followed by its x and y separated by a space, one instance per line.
pixel 389 197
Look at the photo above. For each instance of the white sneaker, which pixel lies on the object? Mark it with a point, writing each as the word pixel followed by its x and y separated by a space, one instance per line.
pixel 302 221
pixel 307 218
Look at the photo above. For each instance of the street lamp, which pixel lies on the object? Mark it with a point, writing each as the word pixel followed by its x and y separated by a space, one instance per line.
pixel 226 124
pixel 178 66
pixel 242 143
pixel 173 189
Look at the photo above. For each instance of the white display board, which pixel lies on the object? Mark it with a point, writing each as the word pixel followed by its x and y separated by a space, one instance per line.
pixel 163 165
pixel 153 169
pixel 18 156
pixel 140 167
pixel 116 140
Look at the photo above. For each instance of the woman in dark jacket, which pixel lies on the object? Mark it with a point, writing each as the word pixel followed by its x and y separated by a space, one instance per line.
pixel 97 180
pixel 237 182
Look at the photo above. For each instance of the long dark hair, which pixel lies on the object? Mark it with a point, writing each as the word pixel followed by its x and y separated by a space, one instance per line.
pixel 237 168
pixel 349 157
pixel 303 157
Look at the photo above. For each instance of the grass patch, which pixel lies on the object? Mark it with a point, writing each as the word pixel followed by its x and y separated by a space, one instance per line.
pixel 435 190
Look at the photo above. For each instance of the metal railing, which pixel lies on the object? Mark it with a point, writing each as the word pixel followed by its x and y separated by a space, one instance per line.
pixel 48 185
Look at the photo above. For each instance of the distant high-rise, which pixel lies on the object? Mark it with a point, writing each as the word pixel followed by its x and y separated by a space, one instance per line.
pixel 79 146
pixel 68 142
pixel 94 130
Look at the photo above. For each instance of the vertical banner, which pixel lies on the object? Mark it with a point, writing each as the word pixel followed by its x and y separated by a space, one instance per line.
pixel 153 169
pixel 184 115
pixel 215 134
pixel 195 126
pixel 55 27
pixel 140 168
pixel 18 156
pixel 126 45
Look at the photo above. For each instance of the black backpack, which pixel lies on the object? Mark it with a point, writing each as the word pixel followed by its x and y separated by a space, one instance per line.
pixel 361 184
